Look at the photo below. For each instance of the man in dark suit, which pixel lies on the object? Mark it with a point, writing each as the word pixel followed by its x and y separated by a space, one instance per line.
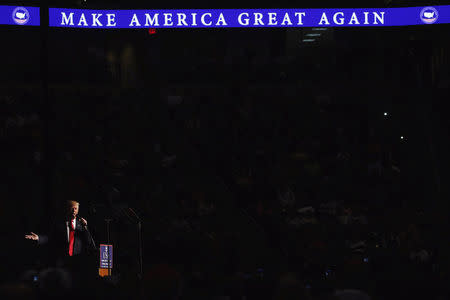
pixel 69 237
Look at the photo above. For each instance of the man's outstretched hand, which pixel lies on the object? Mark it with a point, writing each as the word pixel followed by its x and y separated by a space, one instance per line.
pixel 33 236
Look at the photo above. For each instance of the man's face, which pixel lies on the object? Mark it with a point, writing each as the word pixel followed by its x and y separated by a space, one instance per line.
pixel 73 210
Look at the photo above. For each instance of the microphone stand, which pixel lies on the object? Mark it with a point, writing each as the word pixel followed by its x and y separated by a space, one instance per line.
pixel 92 239
pixel 139 228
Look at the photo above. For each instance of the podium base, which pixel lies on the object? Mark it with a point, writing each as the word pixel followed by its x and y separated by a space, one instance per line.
pixel 103 272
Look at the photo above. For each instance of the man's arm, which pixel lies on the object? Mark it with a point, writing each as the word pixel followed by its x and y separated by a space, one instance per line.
pixel 87 235
pixel 41 239
pixel 83 225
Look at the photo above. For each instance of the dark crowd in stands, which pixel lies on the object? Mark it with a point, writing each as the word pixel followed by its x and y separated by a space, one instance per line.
pixel 254 187
pixel 238 201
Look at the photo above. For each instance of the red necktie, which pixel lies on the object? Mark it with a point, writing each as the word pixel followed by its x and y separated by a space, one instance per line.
pixel 71 237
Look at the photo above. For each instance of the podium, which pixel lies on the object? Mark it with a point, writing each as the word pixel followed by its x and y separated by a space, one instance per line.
pixel 106 260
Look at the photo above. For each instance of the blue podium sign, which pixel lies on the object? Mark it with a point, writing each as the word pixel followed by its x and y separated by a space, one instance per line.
pixel 106 256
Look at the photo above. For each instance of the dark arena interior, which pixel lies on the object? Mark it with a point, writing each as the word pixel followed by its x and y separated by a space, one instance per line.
pixel 227 163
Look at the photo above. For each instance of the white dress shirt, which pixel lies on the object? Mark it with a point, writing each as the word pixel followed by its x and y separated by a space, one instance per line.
pixel 74 223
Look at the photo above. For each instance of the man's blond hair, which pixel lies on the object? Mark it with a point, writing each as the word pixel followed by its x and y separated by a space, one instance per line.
pixel 72 202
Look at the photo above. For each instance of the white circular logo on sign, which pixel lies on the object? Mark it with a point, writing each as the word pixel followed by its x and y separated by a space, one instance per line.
pixel 429 15
pixel 20 16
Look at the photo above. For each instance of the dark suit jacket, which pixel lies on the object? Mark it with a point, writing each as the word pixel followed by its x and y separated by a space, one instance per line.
pixel 58 242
